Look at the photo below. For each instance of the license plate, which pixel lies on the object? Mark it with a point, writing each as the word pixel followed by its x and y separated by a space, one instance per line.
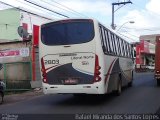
pixel 70 81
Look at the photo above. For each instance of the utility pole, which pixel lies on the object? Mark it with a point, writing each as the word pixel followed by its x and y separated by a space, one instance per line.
pixel 113 4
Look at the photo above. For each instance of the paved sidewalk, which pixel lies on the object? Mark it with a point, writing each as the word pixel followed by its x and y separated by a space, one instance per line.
pixel 9 99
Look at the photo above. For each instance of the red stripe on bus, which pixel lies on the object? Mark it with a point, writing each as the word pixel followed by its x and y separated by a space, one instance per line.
pixel 109 70
pixel 52 67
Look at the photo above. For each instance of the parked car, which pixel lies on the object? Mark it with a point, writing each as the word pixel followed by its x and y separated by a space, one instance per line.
pixel 2 88
pixel 151 67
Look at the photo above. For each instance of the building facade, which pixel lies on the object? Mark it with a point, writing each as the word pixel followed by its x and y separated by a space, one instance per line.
pixel 145 53
pixel 13 46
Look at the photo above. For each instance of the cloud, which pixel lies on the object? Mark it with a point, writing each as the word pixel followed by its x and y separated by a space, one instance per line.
pixel 146 16
pixel 92 6
pixel 143 19
pixel 153 6
pixel 88 7
pixel 146 20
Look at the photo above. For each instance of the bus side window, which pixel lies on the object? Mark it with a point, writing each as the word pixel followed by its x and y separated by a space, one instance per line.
pixel 113 43
pixel 132 52
pixel 107 40
pixel 114 46
pixel 128 50
pixel 121 46
pixel 110 42
pixel 125 48
pixel 102 39
pixel 118 44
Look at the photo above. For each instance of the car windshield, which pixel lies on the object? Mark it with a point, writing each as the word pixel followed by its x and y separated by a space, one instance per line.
pixel 67 32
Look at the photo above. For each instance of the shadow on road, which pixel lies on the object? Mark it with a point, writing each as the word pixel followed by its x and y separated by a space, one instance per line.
pixel 88 100
pixel 140 80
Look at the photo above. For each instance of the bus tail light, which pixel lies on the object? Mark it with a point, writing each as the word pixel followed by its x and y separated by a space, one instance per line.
pixel 97 73
pixel 43 70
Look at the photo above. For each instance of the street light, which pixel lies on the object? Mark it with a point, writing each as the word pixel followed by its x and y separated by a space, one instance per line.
pixel 131 22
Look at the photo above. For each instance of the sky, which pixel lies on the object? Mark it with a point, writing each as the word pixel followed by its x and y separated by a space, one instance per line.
pixel 144 13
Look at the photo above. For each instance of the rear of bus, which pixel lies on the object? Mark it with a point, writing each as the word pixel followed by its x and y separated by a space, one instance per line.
pixel 68 59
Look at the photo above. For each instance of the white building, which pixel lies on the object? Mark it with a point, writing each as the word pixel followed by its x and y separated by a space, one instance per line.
pixel 10 41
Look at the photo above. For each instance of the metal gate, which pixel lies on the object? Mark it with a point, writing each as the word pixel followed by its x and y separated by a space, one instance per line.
pixel 17 76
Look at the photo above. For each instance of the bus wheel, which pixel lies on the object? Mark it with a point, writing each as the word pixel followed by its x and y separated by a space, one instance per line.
pixel 158 82
pixel 130 84
pixel 1 98
pixel 119 88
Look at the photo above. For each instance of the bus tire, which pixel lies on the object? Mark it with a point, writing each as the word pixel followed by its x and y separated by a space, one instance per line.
pixel 131 82
pixel 158 82
pixel 119 87
pixel 1 97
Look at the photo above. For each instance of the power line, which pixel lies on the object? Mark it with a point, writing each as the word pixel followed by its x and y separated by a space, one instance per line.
pixel 22 10
pixel 66 8
pixel 34 7
pixel 127 36
pixel 69 8
pixel 46 8
pixel 131 34
pixel 55 6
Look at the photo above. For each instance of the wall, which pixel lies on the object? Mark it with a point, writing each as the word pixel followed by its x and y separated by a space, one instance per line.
pixel 14 46
pixel 149 38
pixel 9 22
pixel 12 18
pixel 15 65
pixel 16 60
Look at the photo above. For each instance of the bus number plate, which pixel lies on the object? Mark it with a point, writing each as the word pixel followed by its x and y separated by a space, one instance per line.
pixel 70 81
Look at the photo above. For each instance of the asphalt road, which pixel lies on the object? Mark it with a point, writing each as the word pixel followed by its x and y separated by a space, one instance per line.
pixel 142 98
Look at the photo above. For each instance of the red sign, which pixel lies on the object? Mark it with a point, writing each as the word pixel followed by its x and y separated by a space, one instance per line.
pixel 23 52
pixel 10 53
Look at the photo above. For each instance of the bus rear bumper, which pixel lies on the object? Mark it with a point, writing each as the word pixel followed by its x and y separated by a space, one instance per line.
pixel 72 89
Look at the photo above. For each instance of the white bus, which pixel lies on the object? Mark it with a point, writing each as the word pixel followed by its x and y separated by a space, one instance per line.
pixel 82 56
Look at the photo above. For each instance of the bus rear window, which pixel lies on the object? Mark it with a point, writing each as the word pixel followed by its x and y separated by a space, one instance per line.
pixel 67 32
